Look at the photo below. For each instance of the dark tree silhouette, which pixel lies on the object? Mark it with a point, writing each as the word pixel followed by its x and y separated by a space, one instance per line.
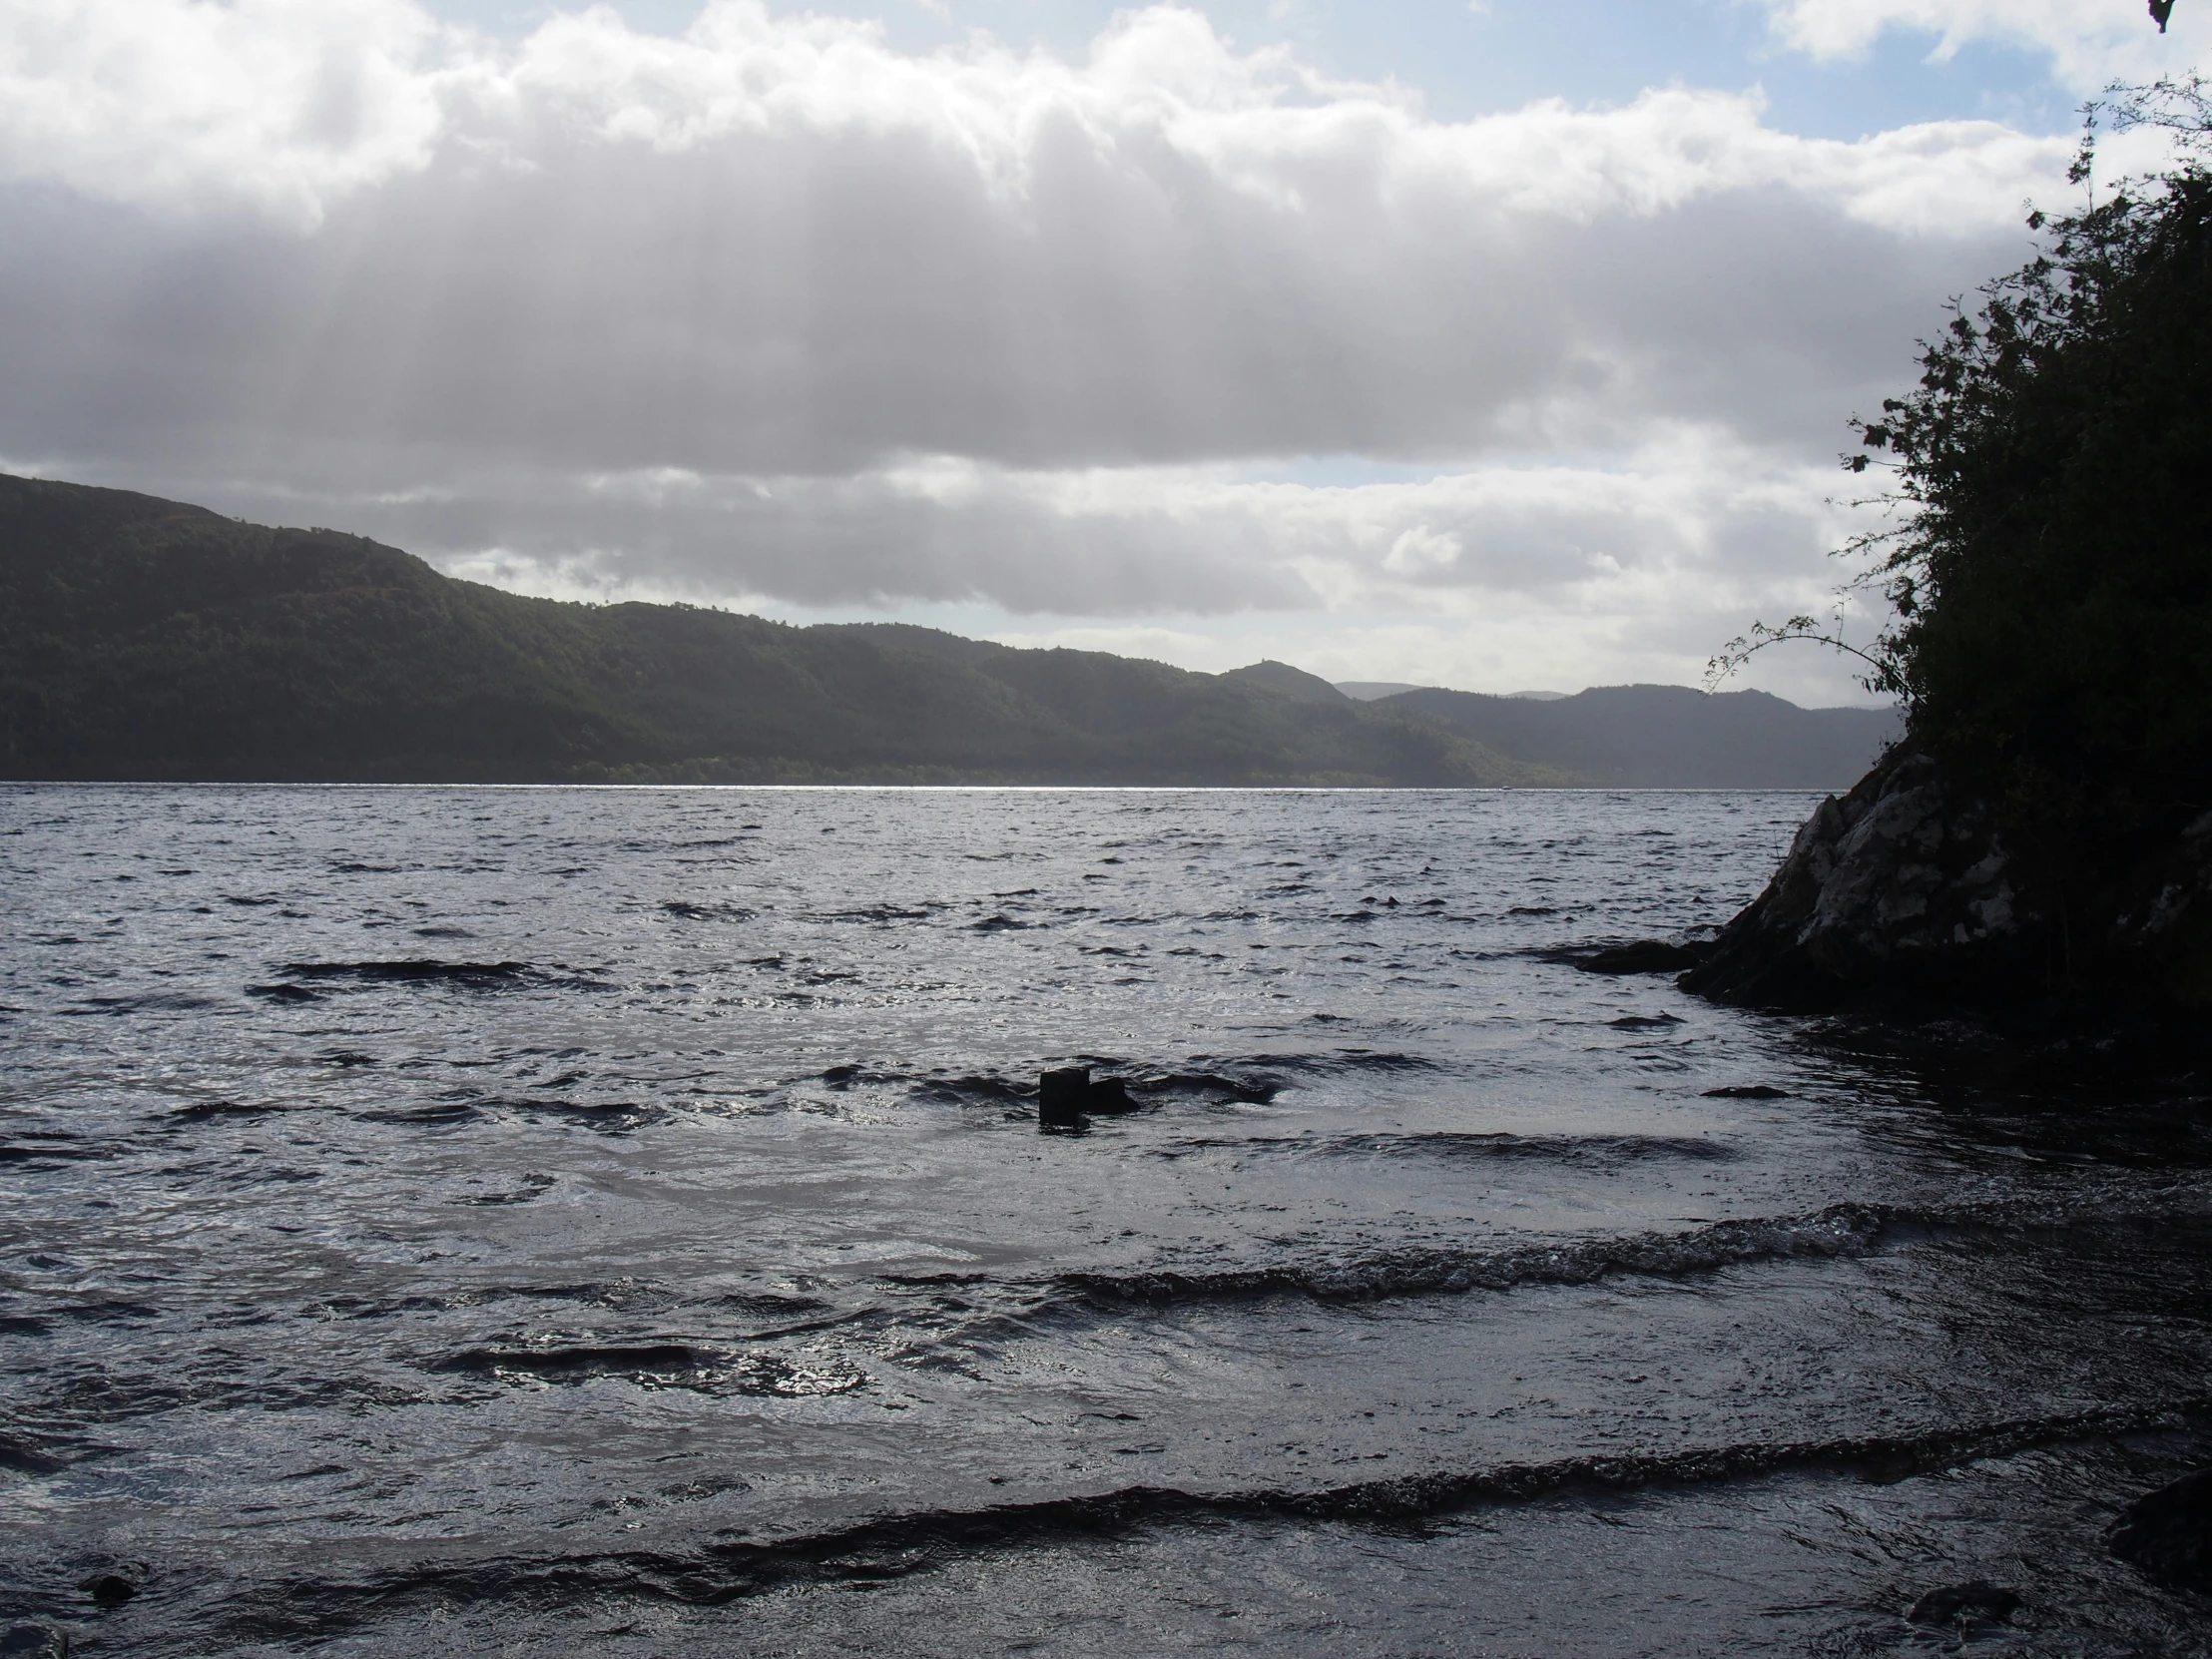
pixel 2048 570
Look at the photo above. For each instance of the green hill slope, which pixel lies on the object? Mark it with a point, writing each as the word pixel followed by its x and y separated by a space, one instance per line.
pixel 144 639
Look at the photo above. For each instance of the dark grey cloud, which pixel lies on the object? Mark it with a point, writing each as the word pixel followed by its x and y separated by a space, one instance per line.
pixel 783 306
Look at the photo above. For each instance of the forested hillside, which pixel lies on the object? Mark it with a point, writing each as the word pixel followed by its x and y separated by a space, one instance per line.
pixel 143 639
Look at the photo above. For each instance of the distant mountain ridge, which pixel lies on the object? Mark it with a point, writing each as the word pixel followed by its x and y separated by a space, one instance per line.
pixel 1367 691
pixel 146 639
pixel 1372 690
pixel 1669 736
pixel 1291 682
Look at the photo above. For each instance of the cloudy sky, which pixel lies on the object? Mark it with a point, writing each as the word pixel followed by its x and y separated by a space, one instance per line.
pixel 1497 346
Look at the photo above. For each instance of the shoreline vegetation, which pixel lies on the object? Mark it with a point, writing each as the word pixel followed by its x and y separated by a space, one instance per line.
pixel 143 639
pixel 2042 834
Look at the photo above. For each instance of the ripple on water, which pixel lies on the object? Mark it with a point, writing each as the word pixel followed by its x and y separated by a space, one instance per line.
pixel 664 1224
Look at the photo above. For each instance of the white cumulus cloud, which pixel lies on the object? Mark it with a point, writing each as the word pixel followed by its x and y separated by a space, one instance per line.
pixel 182 105
pixel 2089 42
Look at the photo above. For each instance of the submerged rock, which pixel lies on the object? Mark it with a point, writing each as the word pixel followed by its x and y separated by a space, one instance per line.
pixel 109 1590
pixel 2168 1533
pixel 1108 1095
pixel 1976 1603
pixel 1646 956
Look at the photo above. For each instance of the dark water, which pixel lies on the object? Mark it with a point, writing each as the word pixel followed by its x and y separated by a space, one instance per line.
pixel 613 1222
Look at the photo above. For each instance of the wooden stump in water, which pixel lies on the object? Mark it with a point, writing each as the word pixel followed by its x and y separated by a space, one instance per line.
pixel 1060 1097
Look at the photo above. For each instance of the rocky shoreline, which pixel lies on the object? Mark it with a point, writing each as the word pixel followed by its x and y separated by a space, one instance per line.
pixel 1901 914
pixel 1901 898
pixel 1901 920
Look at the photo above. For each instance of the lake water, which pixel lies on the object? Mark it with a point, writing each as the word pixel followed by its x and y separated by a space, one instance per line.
pixel 615 1222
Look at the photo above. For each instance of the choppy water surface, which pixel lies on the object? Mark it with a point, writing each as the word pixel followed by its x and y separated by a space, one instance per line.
pixel 615 1222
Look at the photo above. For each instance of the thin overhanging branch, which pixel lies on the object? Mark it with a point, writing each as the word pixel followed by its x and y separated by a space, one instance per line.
pixel 1740 650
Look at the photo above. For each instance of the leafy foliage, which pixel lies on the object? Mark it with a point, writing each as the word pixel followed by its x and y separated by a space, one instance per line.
pixel 2051 575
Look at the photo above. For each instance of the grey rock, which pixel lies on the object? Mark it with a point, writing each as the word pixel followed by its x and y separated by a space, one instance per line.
pixel 1976 1603
pixel 1906 885
pixel 1645 957
pixel 1895 882
pixel 2168 1532
pixel 109 1590
pixel 1067 1098
pixel 1109 1095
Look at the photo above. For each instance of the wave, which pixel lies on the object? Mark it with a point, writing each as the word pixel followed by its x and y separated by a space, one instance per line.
pixel 533 1187
pixel 201 1111
pixel 772 1303
pixel 1600 1151
pixel 25 1459
pixel 891 1546
pixel 1442 1493
pixel 1353 1060
pixel 1256 1078
pixel 63 1149
pixel 149 1002
pixel 610 1116
pixel 427 971
pixel 1206 1080
pixel 977 1089
pixel 87 1313
pixel 1143 1087
pixel 416 970
pixel 436 1114
pixel 659 1365
pixel 1250 1088
pixel 1840 1230
pixel 283 992
pixel 667 1358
